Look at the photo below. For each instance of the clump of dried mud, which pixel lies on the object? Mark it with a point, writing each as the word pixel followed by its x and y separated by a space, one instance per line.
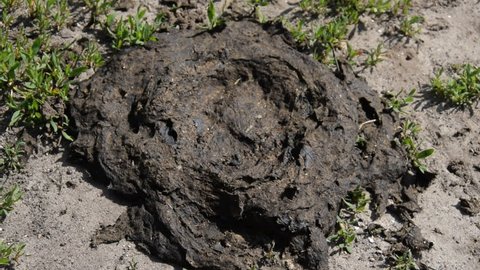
pixel 232 143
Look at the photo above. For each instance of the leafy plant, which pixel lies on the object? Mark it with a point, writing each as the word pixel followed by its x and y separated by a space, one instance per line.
pixel 8 199
pixel 402 7
pixel 297 32
pixel 98 8
pixel 37 80
pixel 8 4
pixel 344 237
pixel 48 15
pixel 91 56
pixel 260 2
pixel 134 30
pixel 461 89
pixel 314 6
pixel 404 261
pixel 378 7
pixel 355 203
pixel 214 20
pixel 408 140
pixel 397 103
pixel 352 54
pixel 409 26
pixel 375 56
pixel 132 264
pixel 10 253
pixel 328 37
pixel 11 155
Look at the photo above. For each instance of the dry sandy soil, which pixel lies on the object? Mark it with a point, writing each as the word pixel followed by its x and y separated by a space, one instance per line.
pixel 63 206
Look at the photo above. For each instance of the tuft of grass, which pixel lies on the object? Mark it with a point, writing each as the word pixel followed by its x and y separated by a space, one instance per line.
pixel 134 30
pixel 462 88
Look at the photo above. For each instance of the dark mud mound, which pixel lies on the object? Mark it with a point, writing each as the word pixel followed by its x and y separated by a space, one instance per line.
pixel 235 145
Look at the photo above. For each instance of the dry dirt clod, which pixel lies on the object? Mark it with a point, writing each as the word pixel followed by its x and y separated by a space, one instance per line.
pixel 236 147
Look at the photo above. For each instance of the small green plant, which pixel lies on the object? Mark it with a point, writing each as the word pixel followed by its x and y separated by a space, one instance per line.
pixel 314 6
pixel 11 155
pixel 8 199
pixel 327 38
pixel 375 56
pixel 297 31
pixel 355 203
pixel 408 139
pixel 409 26
pixel 397 103
pixel 48 15
pixel 98 8
pixel 330 34
pixel 462 88
pixel 214 20
pixel 8 5
pixel 91 56
pixel 132 264
pixel 361 142
pixel 344 237
pixel 260 2
pixel 10 253
pixel 404 261
pixel 378 7
pixel 36 80
pixel 134 30
pixel 402 7
pixel 352 54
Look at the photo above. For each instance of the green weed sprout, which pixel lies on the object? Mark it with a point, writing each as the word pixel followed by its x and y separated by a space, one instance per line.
pixel 355 203
pixel 345 236
pixel 375 56
pixel 215 21
pixel 404 261
pixel 10 253
pixel 8 199
pixel 397 103
pixel 10 159
pixel 416 156
pixel 409 26
pixel 132 31
pixel 462 89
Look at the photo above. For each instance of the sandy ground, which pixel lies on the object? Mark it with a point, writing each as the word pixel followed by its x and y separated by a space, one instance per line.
pixel 63 206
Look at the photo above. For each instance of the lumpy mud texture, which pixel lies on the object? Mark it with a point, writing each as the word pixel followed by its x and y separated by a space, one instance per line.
pixel 234 146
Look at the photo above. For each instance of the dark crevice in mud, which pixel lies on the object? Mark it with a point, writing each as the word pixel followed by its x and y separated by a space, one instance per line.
pixel 235 144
